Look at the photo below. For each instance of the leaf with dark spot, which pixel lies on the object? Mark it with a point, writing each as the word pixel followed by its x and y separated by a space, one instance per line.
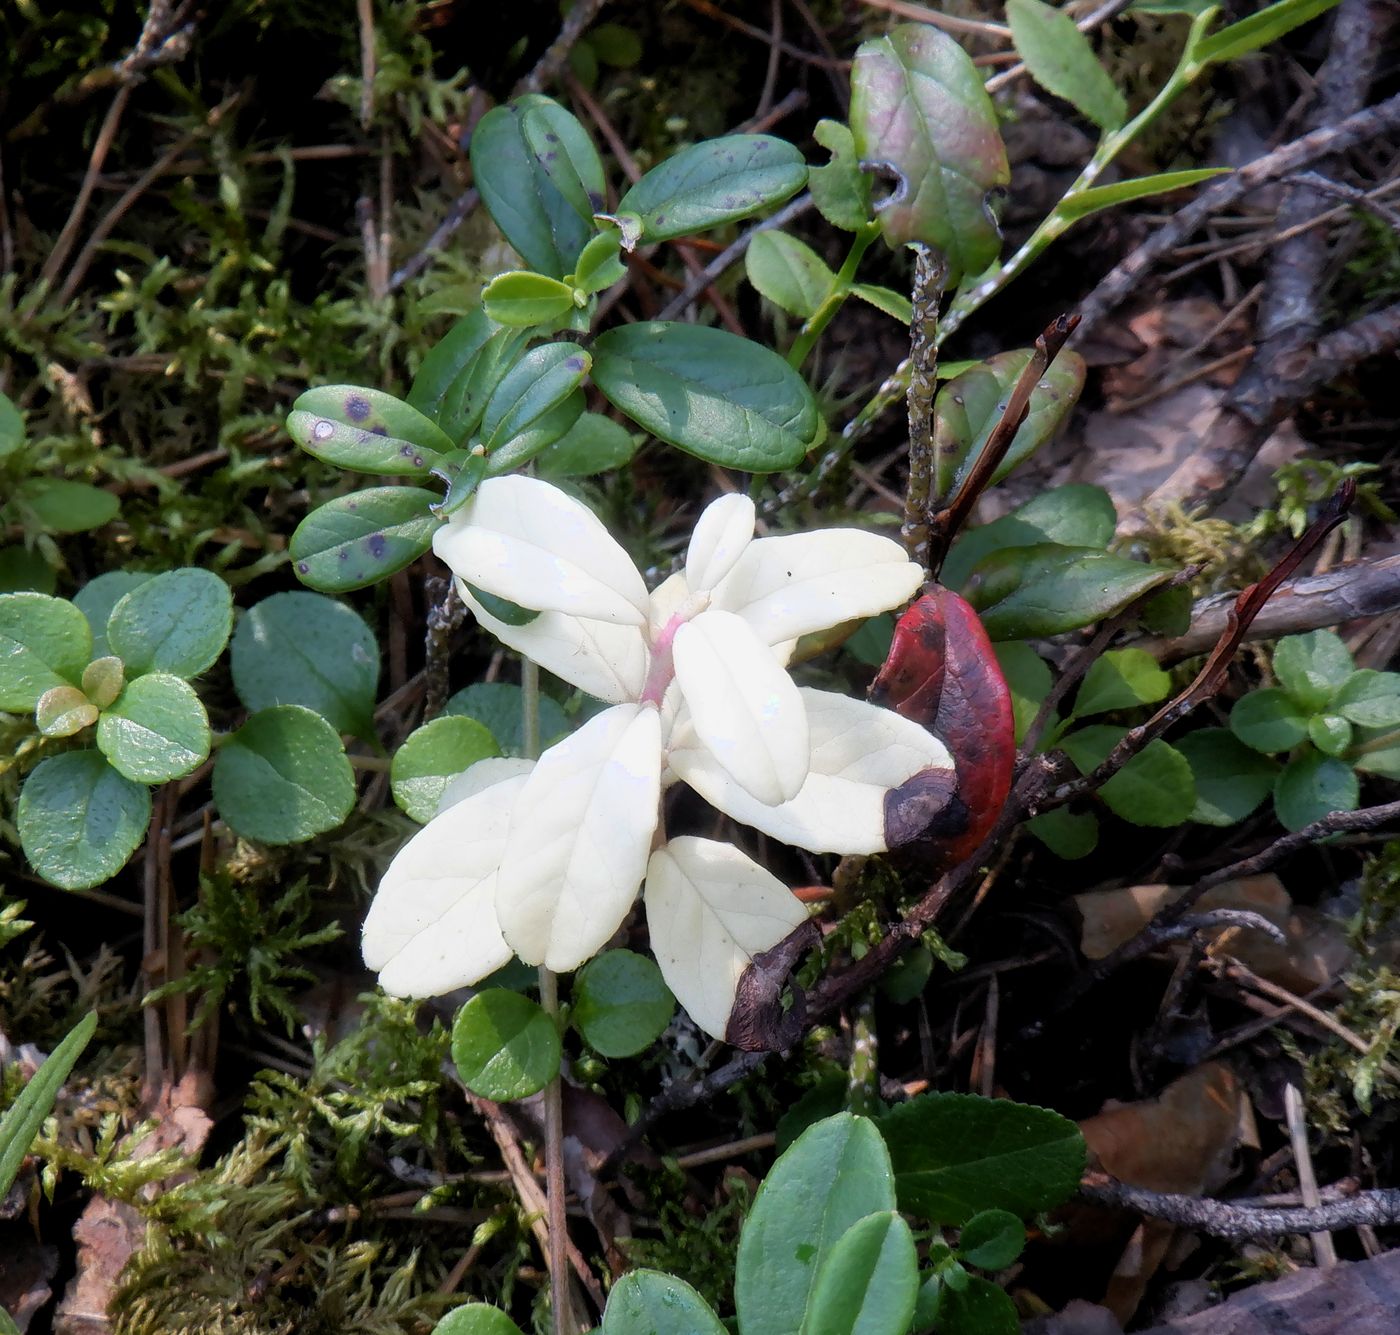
pixel 758 1021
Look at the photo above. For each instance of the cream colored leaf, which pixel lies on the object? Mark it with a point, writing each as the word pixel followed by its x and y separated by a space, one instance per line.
pixel 666 600
pixel 859 752
pixel 744 707
pixel 484 774
pixel 724 529
pixel 432 926
pixel 580 838
pixel 710 910
pixel 524 539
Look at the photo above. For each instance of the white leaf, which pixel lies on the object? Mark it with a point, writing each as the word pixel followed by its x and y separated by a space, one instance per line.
pixel 580 838
pixel 607 661
pixel 803 582
pixel 482 775
pixel 710 910
pixel 743 705
pixel 722 532
pixel 523 539
pixel 859 753
pixel 432 926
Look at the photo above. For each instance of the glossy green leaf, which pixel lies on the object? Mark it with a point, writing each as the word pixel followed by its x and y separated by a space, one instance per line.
pixel 11 426
pixel 1269 721
pixel 497 706
pixel 1312 668
pixel 156 730
pixel 1062 62
pixel 991 1239
pixel 366 431
pixel 1099 197
pixel 600 265
pixel 955 1155
pixel 1370 699
pixel 919 108
pixel 840 190
pixel 977 1307
pixel 540 179
pixel 431 757
pixel 44 642
pixel 868 1283
pixel 1027 678
pixel 476 1319
pixel 1121 679
pixel 504 1045
pixel 461 370
pixel 1258 30
pixel 1312 786
pixel 788 272
pixel 79 820
pixel 621 1003
pixel 1155 788
pixel 1330 733
pixel 1077 515
pixel 834 1175
pixel 1031 592
pixel 283 777
pixel 1232 779
pixel 521 299
pixel 177 622
pixel 716 395
pixel 96 599
pixel 714 182
pixel 363 538
pixel 103 680
pixel 63 711
pixel 594 444
pixel 524 412
pixel 968 408
pixel 25 1116
pixel 646 1302
pixel 463 471
pixel 894 304
pixel 1067 834
pixel 67 507
pixel 304 649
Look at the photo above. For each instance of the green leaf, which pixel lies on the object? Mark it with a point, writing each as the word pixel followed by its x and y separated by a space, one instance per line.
pixel 1258 30
pixel 1154 788
pixel 463 471
pixel 1031 592
pixel 621 1003
pixel 156 731
pixel 978 1307
pixel 534 405
pixel 594 444
pixel 615 45
pixel 840 190
pixel 871 643
pixel 1062 62
pixel 968 408
pixel 788 272
pixel 1169 613
pixel 1082 203
pixel 302 649
pixel 79 820
pixel 67 507
pixel 63 711
pixel 363 538
pixel 1313 667
pixel 716 395
pixel 1027 678
pixel 540 179
pixel 25 1116
pixel 522 299
pixel 431 757
pixel 600 265
pixel 834 1175
pixel 868 1283
pixel 502 608
pixel 1313 786
pixel 366 431
pixel 496 705
pixel 476 1319
pixel 283 777
pixel 1370 699
pixel 955 1155
pixel 1330 733
pixel 1268 720
pixel 919 107
pixel 894 304
pixel 459 373
pixel 96 599
pixel 11 426
pixel 991 1239
pixel 44 642
pixel 646 1302
pixel 25 571
pixel 1121 679
pixel 1382 759
pixel 1077 515
pixel 504 1045
pixel 714 182
pixel 103 680
pixel 1067 834
pixel 1231 778
pixel 177 622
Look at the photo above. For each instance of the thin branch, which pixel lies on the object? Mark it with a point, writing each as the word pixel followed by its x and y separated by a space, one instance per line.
pixel 921 489
pixel 550 65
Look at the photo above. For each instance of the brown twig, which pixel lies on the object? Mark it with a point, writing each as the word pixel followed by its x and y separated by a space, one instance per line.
pixel 551 64
pixel 921 489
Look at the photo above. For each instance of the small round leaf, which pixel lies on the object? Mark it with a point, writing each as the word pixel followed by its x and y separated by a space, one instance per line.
pixel 1370 699
pixel 1312 667
pixel 96 599
pixel 431 757
pixel 1313 786
pixel 1232 779
pixel 496 705
pixel 64 710
pixel 621 1003
pixel 1269 721
pixel 177 622
pixel 504 1045
pixel 644 1302
pixel 156 731
pixel 44 642
pixel 991 1240
pixel 1330 733
pixel 476 1319
pixel 103 680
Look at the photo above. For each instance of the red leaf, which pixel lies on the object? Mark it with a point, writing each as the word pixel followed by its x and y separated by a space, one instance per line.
pixel 941 672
